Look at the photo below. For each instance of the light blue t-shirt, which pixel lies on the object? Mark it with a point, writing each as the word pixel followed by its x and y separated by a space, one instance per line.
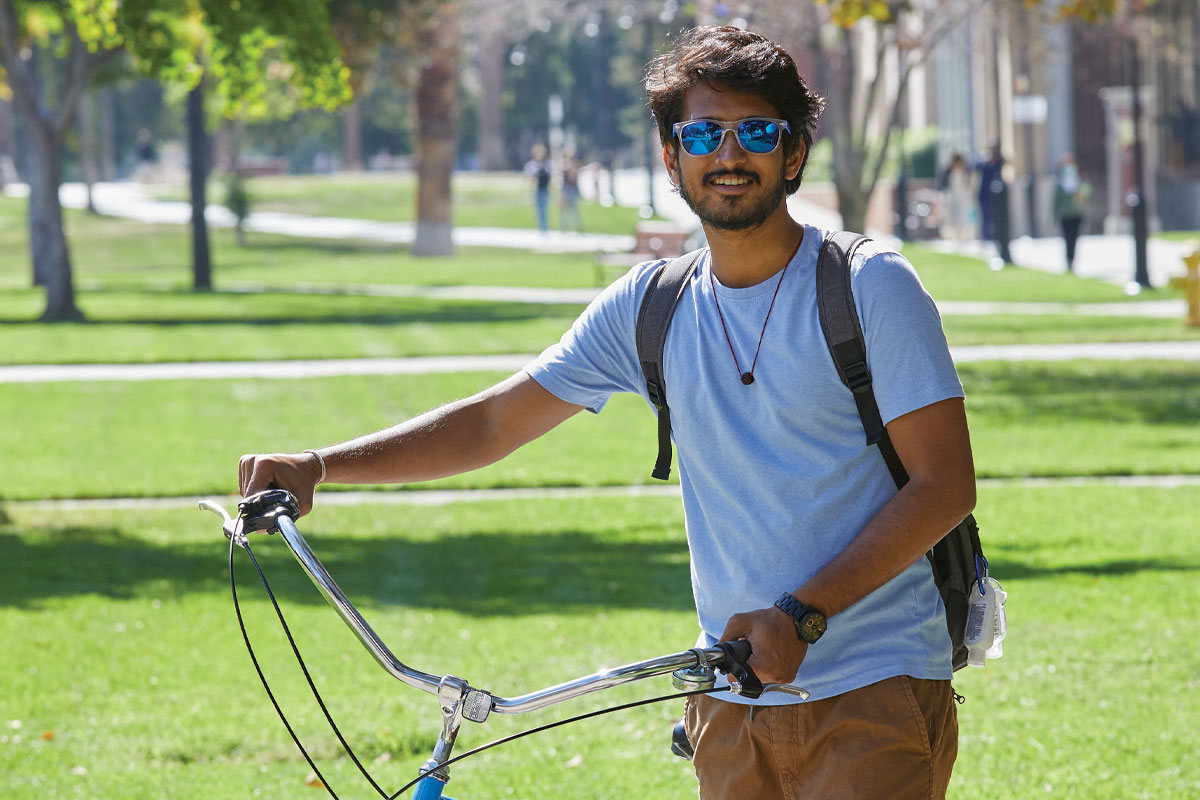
pixel 776 476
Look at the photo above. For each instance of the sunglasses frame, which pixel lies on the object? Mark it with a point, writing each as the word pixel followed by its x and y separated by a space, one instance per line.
pixel 726 127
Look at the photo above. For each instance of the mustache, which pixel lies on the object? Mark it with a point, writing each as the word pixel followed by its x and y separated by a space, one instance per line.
pixel 731 173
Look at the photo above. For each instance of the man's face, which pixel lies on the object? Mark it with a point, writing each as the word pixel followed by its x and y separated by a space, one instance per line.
pixel 731 189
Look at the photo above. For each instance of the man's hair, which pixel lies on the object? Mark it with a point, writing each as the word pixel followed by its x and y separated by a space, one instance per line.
pixel 737 59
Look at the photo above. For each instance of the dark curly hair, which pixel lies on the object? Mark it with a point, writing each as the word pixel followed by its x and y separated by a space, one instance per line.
pixel 731 57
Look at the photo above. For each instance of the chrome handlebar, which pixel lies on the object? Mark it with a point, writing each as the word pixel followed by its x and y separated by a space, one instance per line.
pixel 463 700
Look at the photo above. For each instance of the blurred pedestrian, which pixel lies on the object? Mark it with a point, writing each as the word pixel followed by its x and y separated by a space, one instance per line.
pixel 1071 196
pixel 538 168
pixel 989 174
pixel 146 152
pixel 958 202
pixel 568 213
pixel 993 206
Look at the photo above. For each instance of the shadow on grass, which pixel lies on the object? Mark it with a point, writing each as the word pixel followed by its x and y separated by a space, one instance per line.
pixel 1004 570
pixel 338 246
pixel 1024 394
pixel 481 574
pixel 481 312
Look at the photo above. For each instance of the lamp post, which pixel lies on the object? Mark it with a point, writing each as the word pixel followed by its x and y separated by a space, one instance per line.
pixel 1137 194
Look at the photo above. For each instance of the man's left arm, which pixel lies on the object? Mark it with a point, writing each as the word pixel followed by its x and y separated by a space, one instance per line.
pixel 935 448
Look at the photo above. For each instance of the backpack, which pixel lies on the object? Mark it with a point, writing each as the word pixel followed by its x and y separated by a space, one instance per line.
pixel 957 560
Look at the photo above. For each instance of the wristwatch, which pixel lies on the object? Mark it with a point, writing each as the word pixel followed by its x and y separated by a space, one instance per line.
pixel 810 623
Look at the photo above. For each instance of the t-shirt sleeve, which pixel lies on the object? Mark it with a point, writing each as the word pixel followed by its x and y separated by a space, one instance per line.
pixel 597 356
pixel 907 353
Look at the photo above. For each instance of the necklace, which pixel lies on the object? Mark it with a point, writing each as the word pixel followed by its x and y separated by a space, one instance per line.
pixel 748 377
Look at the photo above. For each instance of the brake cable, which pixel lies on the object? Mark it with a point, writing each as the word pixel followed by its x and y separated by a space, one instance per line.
pixel 245 544
pixel 246 638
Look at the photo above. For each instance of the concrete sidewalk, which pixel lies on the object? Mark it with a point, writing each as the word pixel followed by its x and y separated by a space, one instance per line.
pixel 325 368
pixel 132 201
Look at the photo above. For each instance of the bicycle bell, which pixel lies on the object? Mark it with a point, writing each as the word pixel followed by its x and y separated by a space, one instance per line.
pixel 694 679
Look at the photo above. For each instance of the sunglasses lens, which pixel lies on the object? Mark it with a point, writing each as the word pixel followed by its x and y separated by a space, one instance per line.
pixel 700 138
pixel 758 135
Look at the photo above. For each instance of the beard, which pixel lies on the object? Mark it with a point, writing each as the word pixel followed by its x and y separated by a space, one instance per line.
pixel 734 213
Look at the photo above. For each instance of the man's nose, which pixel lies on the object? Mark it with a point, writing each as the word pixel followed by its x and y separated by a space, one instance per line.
pixel 730 150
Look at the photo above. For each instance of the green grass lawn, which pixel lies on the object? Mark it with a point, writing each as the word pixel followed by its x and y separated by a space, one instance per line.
pixel 184 437
pixel 162 701
pixel 1179 236
pixel 949 276
pixel 134 289
pixel 114 253
pixel 140 327
pixel 486 200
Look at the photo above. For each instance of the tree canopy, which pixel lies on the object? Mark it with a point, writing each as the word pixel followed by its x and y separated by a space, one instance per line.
pixel 244 47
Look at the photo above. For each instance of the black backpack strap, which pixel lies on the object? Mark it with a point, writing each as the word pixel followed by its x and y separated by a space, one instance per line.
pixel 847 346
pixel 654 318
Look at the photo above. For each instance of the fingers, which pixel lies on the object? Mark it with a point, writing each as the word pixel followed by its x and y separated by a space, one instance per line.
pixel 257 473
pixel 261 475
pixel 245 467
pixel 776 651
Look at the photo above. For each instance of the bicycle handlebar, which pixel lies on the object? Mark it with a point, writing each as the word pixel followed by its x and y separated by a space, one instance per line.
pixel 276 509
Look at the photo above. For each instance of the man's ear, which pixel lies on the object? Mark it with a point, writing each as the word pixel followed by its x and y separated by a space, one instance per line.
pixel 796 160
pixel 671 162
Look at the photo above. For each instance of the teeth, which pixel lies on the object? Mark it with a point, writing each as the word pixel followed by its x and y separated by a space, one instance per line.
pixel 730 181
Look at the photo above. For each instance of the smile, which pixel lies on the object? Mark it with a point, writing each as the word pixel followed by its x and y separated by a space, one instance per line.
pixel 730 181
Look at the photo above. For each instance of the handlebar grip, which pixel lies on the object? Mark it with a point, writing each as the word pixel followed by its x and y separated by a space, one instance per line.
pixel 734 664
pixel 260 511
pixel 739 649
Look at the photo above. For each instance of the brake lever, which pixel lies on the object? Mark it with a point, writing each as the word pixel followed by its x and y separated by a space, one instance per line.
pixel 786 688
pixel 734 663
pixel 231 527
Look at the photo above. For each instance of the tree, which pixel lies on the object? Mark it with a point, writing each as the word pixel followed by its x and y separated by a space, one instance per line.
pixel 361 27
pixel 237 44
pixel 437 131
pixel 864 52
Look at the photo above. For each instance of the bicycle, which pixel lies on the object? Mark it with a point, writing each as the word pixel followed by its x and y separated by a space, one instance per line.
pixel 693 671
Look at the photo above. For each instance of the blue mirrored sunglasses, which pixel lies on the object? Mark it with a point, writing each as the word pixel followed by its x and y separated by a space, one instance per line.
pixel 702 137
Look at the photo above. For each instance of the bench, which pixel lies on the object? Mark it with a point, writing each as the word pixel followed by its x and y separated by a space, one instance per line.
pixel 653 239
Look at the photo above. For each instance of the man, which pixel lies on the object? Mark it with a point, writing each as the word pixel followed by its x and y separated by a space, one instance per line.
pixel 789 515
pixel 993 204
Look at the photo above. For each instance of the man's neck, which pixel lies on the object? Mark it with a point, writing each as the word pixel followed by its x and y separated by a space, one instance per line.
pixel 749 257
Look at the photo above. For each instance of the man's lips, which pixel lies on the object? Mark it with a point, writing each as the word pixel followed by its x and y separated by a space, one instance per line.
pixel 730 181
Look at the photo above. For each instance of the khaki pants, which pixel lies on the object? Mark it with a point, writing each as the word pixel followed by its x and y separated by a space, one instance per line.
pixel 894 739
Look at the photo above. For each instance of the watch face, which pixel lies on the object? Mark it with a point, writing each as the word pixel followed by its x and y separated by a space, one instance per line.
pixel 812 626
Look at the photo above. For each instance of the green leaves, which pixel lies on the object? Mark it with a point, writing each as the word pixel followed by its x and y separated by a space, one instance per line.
pixel 252 50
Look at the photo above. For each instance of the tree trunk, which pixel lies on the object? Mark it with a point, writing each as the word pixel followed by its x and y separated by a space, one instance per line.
pixel 437 138
pixel 8 143
pixel 491 100
pixel 852 205
pixel 352 156
pixel 47 242
pixel 198 174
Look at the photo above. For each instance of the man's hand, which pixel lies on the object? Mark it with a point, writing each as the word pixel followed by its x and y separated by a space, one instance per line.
pixel 777 651
pixel 297 472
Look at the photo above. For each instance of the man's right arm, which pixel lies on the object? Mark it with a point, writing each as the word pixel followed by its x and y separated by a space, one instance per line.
pixel 457 437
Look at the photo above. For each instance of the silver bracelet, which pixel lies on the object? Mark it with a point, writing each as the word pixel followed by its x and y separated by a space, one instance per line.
pixel 320 461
